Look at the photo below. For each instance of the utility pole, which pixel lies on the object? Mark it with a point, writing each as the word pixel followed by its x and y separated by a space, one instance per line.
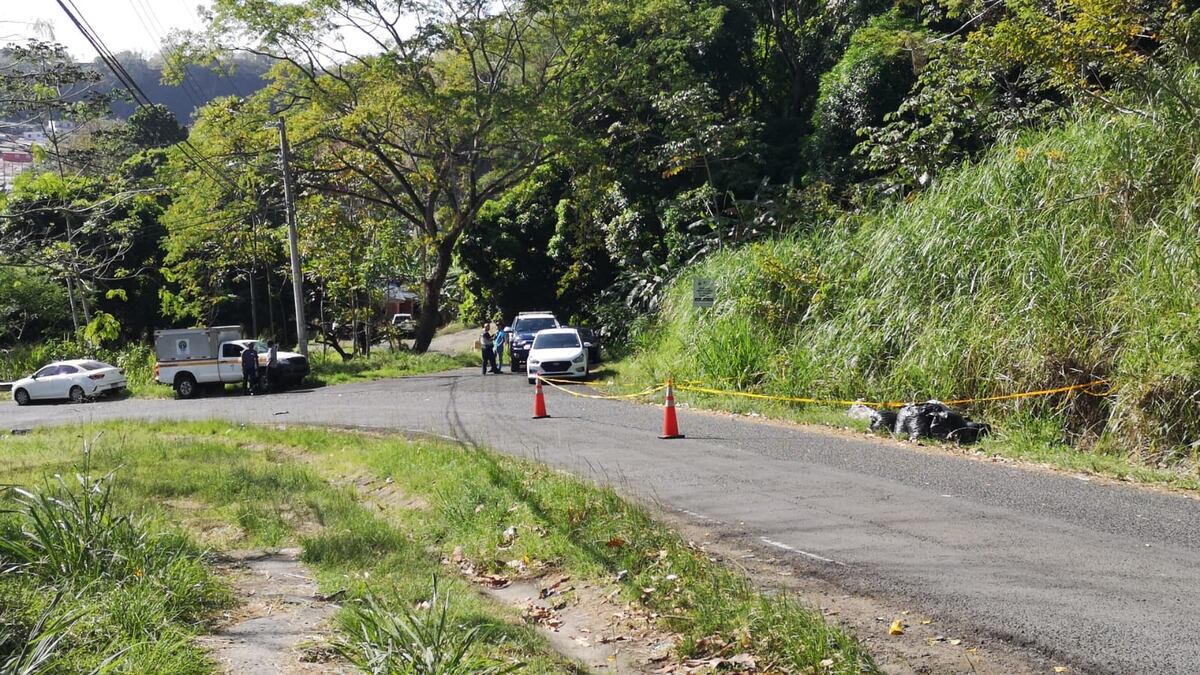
pixel 289 199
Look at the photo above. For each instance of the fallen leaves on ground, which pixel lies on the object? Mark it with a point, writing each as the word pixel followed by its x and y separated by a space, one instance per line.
pixel 897 628
pixel 735 662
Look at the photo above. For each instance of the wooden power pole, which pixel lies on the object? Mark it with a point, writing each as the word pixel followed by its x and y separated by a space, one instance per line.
pixel 289 198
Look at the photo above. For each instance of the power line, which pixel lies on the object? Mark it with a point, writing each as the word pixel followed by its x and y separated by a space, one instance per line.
pixel 186 147
pixel 154 30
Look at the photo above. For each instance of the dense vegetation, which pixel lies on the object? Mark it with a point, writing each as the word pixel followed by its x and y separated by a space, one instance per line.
pixel 1064 256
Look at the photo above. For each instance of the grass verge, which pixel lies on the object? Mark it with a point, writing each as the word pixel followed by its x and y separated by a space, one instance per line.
pixel 245 486
pixel 85 587
pixel 330 369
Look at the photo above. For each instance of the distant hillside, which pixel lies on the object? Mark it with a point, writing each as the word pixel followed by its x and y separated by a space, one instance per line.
pixel 202 85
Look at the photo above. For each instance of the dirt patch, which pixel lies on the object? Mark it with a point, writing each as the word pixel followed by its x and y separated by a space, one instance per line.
pixel 587 623
pixel 383 493
pixel 281 624
pixel 929 644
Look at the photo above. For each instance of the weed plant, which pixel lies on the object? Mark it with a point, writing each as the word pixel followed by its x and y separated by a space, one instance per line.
pixel 418 641
pixel 1064 256
pixel 120 588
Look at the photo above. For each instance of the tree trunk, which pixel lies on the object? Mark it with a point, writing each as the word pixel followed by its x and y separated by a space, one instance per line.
pixel 431 296
pixel 330 340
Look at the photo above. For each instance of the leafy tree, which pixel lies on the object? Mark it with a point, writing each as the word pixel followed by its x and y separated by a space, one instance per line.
pixel 1009 64
pixel 463 101
pixel 871 80
pixel 154 127
pixel 225 246
pixel 31 303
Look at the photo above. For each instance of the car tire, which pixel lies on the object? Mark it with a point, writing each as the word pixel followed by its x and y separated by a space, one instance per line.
pixel 514 367
pixel 185 385
pixel 21 397
pixel 532 380
pixel 76 394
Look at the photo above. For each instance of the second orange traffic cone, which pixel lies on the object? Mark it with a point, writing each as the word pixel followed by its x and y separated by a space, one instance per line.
pixel 539 402
pixel 670 424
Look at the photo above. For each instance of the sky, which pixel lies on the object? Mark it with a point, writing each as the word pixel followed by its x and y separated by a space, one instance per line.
pixel 124 25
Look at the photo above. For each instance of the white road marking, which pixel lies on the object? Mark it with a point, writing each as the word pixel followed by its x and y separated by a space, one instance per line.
pixel 793 549
pixel 698 515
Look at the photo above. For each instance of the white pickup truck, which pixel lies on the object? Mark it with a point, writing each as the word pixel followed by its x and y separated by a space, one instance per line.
pixel 189 358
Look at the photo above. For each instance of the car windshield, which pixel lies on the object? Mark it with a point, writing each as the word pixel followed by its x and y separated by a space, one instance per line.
pixel 92 365
pixel 534 324
pixel 556 341
pixel 260 347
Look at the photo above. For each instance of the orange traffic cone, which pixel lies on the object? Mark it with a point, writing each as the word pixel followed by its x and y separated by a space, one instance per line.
pixel 539 402
pixel 670 425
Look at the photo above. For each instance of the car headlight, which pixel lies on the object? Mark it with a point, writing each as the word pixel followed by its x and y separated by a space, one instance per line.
pixel 577 359
pixel 535 363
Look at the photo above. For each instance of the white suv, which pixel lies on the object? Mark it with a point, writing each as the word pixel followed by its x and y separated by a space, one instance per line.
pixel 404 324
pixel 557 352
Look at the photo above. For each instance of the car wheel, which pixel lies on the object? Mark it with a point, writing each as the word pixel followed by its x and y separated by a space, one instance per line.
pixel 76 394
pixel 514 367
pixel 21 397
pixel 185 385
pixel 532 380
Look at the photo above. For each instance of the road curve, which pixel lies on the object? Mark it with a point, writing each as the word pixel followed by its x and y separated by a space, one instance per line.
pixel 1103 577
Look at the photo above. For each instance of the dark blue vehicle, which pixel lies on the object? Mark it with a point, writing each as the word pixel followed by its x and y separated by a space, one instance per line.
pixel 523 329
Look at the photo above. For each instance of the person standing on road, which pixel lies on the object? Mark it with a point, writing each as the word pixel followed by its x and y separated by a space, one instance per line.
pixel 250 370
pixel 498 345
pixel 272 365
pixel 486 340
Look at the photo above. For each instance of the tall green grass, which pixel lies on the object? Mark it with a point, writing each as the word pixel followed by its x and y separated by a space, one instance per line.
pixel 420 641
pixel 85 586
pixel 1063 256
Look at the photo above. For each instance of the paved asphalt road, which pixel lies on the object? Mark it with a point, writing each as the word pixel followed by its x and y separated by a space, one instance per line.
pixel 1105 577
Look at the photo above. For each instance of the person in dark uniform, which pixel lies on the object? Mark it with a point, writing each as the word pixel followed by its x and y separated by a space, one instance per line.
pixel 486 347
pixel 250 370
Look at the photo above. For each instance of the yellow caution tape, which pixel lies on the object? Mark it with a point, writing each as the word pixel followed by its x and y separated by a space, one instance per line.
pixel 607 397
pixel 1086 388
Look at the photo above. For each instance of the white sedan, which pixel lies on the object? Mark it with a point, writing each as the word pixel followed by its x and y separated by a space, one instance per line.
pixel 557 352
pixel 76 380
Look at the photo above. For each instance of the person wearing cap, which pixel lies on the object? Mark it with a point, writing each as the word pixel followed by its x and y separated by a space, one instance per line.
pixel 250 369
